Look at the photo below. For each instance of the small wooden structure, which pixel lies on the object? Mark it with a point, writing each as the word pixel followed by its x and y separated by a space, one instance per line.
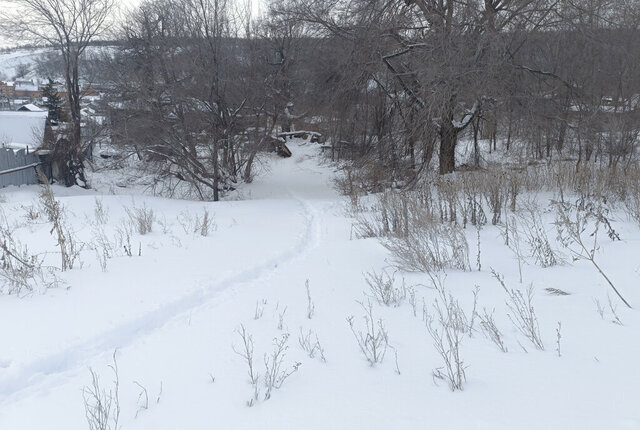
pixel 18 167
pixel 312 136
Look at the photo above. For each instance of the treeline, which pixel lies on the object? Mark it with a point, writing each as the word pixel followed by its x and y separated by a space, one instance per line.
pixel 197 87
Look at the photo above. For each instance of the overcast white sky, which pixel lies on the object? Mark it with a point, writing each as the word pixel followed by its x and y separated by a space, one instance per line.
pixel 258 6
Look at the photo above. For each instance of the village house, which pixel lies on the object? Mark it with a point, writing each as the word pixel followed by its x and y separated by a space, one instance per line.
pixel 22 89
pixel 22 129
pixel 30 107
pixel 7 90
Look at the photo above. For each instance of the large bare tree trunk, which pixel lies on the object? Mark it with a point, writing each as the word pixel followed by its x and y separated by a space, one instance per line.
pixel 448 140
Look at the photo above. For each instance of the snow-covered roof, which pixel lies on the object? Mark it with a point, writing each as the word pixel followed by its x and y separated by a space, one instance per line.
pixel 22 129
pixel 30 107
pixel 27 85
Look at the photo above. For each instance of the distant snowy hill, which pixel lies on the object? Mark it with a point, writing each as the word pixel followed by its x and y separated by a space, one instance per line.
pixel 11 61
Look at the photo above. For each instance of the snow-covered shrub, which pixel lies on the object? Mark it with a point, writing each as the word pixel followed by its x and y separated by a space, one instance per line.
pixel 142 218
pixel 102 405
pixel 100 212
pixel 382 287
pixel 311 307
pixel 374 341
pixel 495 192
pixel 102 245
pixel 124 232
pixel 310 343
pixel 447 333
pixel 70 248
pixel 246 352
pixel 572 221
pixel 418 238
pixel 197 224
pixel 491 331
pixel 447 325
pixel 535 234
pixel 522 312
pixel 20 271
pixel 275 372
pixel 32 212
pixel 432 248
pixel 204 224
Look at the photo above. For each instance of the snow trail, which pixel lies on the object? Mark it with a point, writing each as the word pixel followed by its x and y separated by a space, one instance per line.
pixel 43 371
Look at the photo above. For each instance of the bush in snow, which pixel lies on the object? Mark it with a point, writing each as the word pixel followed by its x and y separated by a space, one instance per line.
pixel 275 371
pixel 20 271
pixel 197 224
pixel 142 218
pixel 246 352
pixel 69 247
pixel 489 328
pixel 382 288
pixel 572 220
pixel 522 312
pixel 311 345
pixel 374 340
pixel 102 405
pixel 447 327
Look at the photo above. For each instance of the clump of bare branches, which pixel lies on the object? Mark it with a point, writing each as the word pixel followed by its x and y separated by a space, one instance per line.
pixel 374 341
pixel 447 327
pixel 100 212
pixel 511 236
pixel 70 248
pixel 572 221
pixel 275 373
pixel 142 218
pixel 522 315
pixel 558 338
pixel 246 352
pixel 124 233
pixel 102 245
pixel 32 212
pixel 197 224
pixel 102 405
pixel 259 310
pixel 613 310
pixel 491 331
pixel 432 248
pixel 311 307
pixel 143 398
pixel 382 287
pixel 205 224
pixel 536 235
pixel 22 272
pixel 495 193
pixel 310 343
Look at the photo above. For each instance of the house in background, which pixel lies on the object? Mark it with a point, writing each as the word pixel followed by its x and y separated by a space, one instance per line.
pixel 7 90
pixel 23 129
pixel 28 89
pixel 21 134
pixel 30 107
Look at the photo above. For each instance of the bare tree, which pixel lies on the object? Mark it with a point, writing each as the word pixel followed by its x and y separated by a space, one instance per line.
pixel 446 56
pixel 69 26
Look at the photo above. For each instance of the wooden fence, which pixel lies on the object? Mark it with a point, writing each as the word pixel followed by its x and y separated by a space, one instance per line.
pixel 17 167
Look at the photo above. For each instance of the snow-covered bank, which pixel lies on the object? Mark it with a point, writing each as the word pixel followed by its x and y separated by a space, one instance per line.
pixel 174 312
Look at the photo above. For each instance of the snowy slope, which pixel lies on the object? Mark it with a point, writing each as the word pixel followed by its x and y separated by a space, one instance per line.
pixel 173 315
pixel 11 60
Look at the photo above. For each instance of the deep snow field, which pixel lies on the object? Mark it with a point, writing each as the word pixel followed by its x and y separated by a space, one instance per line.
pixel 171 313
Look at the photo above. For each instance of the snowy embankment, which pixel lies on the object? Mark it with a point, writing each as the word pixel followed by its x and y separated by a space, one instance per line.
pixel 173 310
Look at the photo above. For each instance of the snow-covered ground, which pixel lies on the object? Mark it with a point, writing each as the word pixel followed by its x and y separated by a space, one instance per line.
pixel 12 60
pixel 172 311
